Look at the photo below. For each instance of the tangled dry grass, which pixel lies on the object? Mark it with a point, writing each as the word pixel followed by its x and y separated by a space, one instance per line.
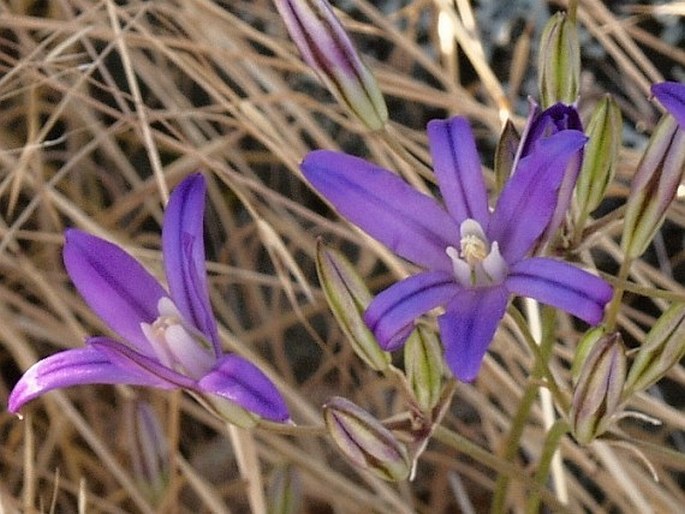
pixel 107 105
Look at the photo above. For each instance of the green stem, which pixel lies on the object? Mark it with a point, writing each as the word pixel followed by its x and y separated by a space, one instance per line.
pixel 615 305
pixel 540 369
pixel 554 435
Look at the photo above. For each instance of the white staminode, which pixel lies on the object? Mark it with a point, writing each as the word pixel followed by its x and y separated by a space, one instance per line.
pixel 477 262
pixel 176 346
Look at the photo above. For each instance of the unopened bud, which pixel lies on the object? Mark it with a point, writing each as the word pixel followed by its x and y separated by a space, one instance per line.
pixel 586 344
pixel 326 48
pixel 601 155
pixel 348 297
pixel 423 366
pixel 505 154
pixel 597 394
pixel 284 493
pixel 365 441
pixel 654 186
pixel 662 349
pixel 559 61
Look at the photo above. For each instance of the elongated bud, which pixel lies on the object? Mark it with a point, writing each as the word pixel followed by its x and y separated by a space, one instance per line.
pixel 505 154
pixel 347 298
pixel 586 344
pixel 326 48
pixel 148 449
pixel 559 61
pixel 423 366
pixel 365 441
pixel 654 186
pixel 601 155
pixel 598 393
pixel 284 493
pixel 663 348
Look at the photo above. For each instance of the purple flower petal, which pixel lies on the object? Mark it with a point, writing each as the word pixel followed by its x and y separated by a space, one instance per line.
pixel 127 358
pixel 411 224
pixel 530 196
pixel 672 97
pixel 561 285
pixel 468 326
pixel 114 284
pixel 457 166
pixel 184 256
pixel 70 368
pixel 391 314
pixel 243 383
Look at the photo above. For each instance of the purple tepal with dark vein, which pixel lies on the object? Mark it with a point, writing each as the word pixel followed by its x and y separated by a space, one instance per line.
pixel 672 97
pixel 168 339
pixel 474 258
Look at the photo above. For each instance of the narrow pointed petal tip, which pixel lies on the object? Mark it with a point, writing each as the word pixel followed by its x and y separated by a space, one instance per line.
pixel 79 366
pixel 411 224
pixel 672 97
pixel 115 285
pixel 241 382
pixel 184 256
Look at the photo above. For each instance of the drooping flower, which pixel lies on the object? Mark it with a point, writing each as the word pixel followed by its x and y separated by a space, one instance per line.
pixel 169 339
pixel 672 97
pixel 474 258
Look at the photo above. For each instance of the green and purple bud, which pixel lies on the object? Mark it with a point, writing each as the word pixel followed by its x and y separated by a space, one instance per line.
pixel 364 441
pixel 505 154
pixel 598 392
pixel 601 155
pixel 423 366
pixel 348 298
pixel 663 348
pixel 326 48
pixel 559 61
pixel 654 186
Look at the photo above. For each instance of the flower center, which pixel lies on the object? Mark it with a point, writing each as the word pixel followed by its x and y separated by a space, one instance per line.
pixel 477 263
pixel 177 345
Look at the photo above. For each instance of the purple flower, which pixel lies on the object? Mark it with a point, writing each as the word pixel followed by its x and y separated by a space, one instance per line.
pixel 170 338
pixel 672 97
pixel 474 258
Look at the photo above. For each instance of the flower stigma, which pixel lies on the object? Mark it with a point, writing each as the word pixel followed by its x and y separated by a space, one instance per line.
pixel 477 263
pixel 177 346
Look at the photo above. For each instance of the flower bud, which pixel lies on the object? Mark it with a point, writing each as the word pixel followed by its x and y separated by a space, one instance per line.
pixel 347 298
pixel 505 154
pixel 559 61
pixel 598 392
pixel 148 449
pixel 654 186
pixel 365 441
pixel 586 344
pixel 423 366
pixel 326 48
pixel 284 493
pixel 601 155
pixel 662 349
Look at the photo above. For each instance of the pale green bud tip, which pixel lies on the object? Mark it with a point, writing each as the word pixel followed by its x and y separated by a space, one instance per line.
pixel 598 392
pixel 364 441
pixel 559 61
pixel 326 47
pixel 347 297
pixel 662 349
pixel 654 186
pixel 285 491
pixel 601 155
pixel 423 366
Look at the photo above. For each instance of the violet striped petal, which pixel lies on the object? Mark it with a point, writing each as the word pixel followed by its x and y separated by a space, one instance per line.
pixel 561 285
pixel 530 196
pixel 241 382
pixel 113 284
pixel 457 166
pixel 411 224
pixel 672 97
pixel 391 314
pixel 468 326
pixel 184 256
pixel 129 359
pixel 69 368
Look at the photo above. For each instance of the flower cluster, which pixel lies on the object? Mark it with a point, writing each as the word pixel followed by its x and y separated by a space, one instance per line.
pixel 473 257
pixel 170 339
